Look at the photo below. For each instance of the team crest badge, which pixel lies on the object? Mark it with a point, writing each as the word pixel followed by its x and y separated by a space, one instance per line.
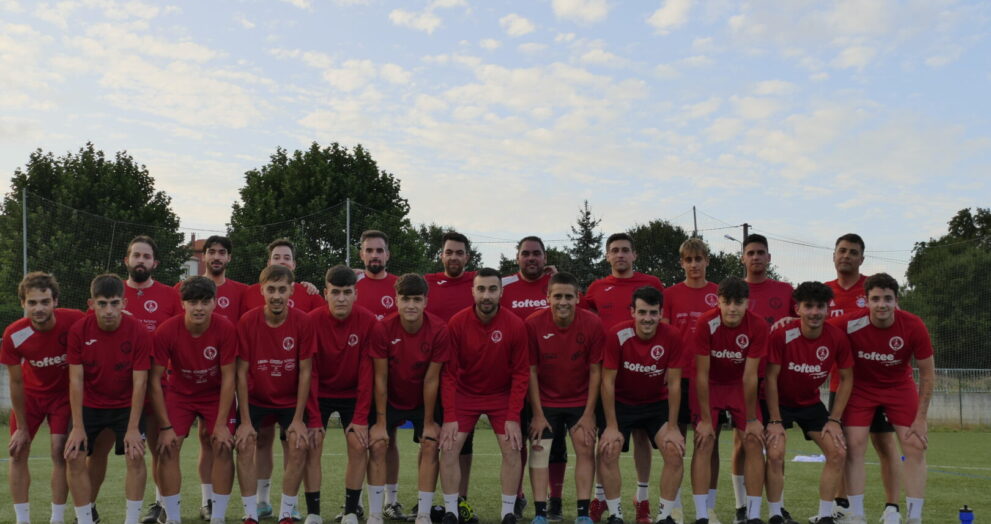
pixel 742 341
pixel 151 306
pixel 290 365
pixel 288 343
pixel 861 302
pixel 711 299
pixel 223 302
pixel 209 352
pixel 896 343
pixel 496 336
pixel 822 352
pixel 775 302
pixel 291 303
pixel 657 352
pixel 388 302
pixel 353 339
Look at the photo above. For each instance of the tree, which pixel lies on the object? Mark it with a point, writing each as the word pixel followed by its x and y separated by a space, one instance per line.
pixel 587 260
pixel 432 237
pixel 657 244
pixel 83 209
pixel 948 286
pixel 301 196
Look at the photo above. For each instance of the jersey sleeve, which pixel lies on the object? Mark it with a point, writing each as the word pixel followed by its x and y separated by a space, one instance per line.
pixel 612 352
pixel 533 345
pixel 366 380
pixel 666 308
pixel 307 339
pixel 596 343
pixel 922 347
pixel 676 345
pixel 844 353
pixel 449 376
pixel 700 342
pixel 8 353
pixel 378 344
pixel 73 348
pixel 441 346
pixel 758 340
pixel 228 342
pixel 520 365
pixel 142 349
pixel 161 346
pixel 776 347
pixel 590 297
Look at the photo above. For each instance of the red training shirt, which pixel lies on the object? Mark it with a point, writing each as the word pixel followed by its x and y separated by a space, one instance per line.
pixel 882 357
pixel 152 305
pixel 343 365
pixel 228 299
pixel 522 296
pixel 377 295
pixel 251 297
pixel 845 301
pixel 610 296
pixel 641 365
pixel 771 300
pixel 728 348
pixel 683 306
pixel 273 356
pixel 41 354
pixel 448 295
pixel 194 363
pixel 563 356
pixel 805 362
pixel 108 358
pixel 410 354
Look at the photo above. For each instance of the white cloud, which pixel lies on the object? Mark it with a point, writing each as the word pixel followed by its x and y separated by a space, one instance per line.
pixel 516 25
pixel 696 61
pixel 395 74
pixel 490 44
pixel 531 47
pixel 666 71
pixel 244 22
pixel 353 75
pixel 854 57
pixel 774 87
pixel 703 109
pixel 302 4
pixel 27 80
pixel 564 38
pixel 311 58
pixel 754 108
pixel 426 21
pixel 581 10
pixel 673 14
pixel 10 5
pixel 723 129
pixel 602 57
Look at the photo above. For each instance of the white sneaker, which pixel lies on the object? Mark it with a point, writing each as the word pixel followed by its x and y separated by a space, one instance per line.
pixel 374 519
pixel 423 519
pixel 350 518
pixel 313 519
pixel 890 516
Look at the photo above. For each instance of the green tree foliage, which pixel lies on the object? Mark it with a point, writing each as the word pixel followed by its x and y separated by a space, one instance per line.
pixel 431 236
pixel 83 209
pixel 586 253
pixel 948 286
pixel 301 195
pixel 657 243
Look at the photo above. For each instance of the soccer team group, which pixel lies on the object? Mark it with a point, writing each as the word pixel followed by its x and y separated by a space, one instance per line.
pixel 626 359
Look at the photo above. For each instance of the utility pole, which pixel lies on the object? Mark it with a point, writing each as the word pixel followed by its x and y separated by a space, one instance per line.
pixel 695 222
pixel 347 233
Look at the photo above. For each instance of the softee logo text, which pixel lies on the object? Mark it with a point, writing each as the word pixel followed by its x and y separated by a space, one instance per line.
pixel 880 357
pixel 725 353
pixel 529 302
pixel 48 361
pixel 637 367
pixel 804 368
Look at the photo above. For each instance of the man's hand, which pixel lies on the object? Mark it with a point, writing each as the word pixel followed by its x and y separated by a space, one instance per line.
pixel 550 269
pixel 774 434
pixel 833 430
pixel 222 435
pixel 671 436
pixel 134 443
pixel 537 427
pixel 755 430
pixel 378 432
pixel 245 437
pixel 314 435
pixel 310 288
pixel 360 431
pixel 448 433
pixel 610 437
pixel 75 443
pixel 703 432
pixel 512 434
pixel 167 442
pixel 781 322
pixel 920 430
pixel 20 440
pixel 585 428
pixel 298 434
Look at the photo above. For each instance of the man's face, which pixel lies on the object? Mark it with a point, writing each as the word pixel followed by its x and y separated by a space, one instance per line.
pixel 276 294
pixel 108 311
pixel 340 299
pixel 487 291
pixel 847 257
pixel 756 258
pixel 562 299
pixel 198 310
pixel 39 305
pixel 411 307
pixel 531 259
pixel 732 310
pixel 694 265
pixel 375 255
pixel 621 256
pixel 216 257
pixel 282 256
pixel 645 318
pixel 881 303
pixel 140 262
pixel 813 314
pixel 454 256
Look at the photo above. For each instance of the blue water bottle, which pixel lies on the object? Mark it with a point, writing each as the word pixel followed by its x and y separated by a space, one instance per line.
pixel 966 515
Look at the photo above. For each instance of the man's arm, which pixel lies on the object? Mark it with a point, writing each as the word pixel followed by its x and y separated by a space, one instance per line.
pixel 927 378
pixel 166 436
pixel 378 431
pixel 754 427
pixel 134 444
pixel 221 432
pixel 297 426
pixel 77 437
pixel 431 385
pixel 674 394
pixel 539 422
pixel 610 435
pixel 21 437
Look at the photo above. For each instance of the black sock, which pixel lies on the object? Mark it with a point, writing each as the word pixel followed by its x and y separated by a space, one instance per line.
pixel 555 504
pixel 312 502
pixel 583 507
pixel 351 499
pixel 540 508
pixel 842 502
pixel 892 505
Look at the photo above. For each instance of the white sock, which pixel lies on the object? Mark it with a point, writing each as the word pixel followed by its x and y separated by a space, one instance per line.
pixel 701 506
pixel 158 495
pixel 171 504
pixel 250 506
pixel 23 512
pixel 739 491
pixel 424 500
pixel 133 511
pixel 450 503
pixel 615 508
pixel 206 493
pixel 600 492
pixel 710 499
pixel 774 508
pixel 58 512
pixel 856 504
pixel 508 504
pixel 677 499
pixel 264 491
pixel 220 503
pixel 286 505
pixel 753 507
pixel 391 493
pixel 84 514
pixel 914 507
pixel 375 495
pixel 643 491
pixel 825 508
pixel 665 509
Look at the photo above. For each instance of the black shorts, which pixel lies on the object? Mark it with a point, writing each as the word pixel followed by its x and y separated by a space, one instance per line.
pixel 809 418
pixel 559 449
pixel 262 417
pixel 344 407
pixel 95 420
pixel 397 417
pixel 879 424
pixel 685 411
pixel 648 417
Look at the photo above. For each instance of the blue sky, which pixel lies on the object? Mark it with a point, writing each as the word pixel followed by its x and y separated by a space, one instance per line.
pixel 807 119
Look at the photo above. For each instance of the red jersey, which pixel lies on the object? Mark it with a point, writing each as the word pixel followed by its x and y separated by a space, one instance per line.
pixel 610 296
pixel 805 362
pixel 641 365
pixel 682 308
pixel 522 296
pixel 563 356
pixel 488 362
pixel 152 305
pixel 108 358
pixel 847 300
pixel 410 354
pixel 194 363
pixel 251 297
pixel 228 299
pixel 771 300
pixel 449 295
pixel 377 295
pixel 882 357
pixel 273 356
pixel 41 354
pixel 728 348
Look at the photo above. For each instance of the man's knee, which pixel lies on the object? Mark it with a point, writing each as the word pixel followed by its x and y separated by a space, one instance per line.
pixel 540 454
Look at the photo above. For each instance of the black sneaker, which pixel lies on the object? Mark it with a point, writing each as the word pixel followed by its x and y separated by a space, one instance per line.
pixel 206 511
pixel 824 520
pixel 776 519
pixel 449 518
pixel 466 514
pixel 701 521
pixel 554 510
pixel 613 519
pixel 787 517
pixel 156 513
pixel 519 507
pixel 94 513
pixel 667 520
pixel 741 516
pixel 509 518
pixel 755 521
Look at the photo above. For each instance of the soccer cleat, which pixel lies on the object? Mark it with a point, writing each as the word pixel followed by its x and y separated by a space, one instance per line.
pixel 539 519
pixel 821 520
pixel 890 516
pixel 206 511
pixel 755 521
pixel 286 520
pixel 554 510
pixel 449 518
pixel 509 518
pixel 776 519
pixel 155 514
pixel 701 521
pixel 394 511
pixel 665 520
pixel 519 507
pixel 246 520
pixel 741 516
pixel 313 519
pixel 360 513
pixel 350 518
pixel 613 519
pixel 296 515
pixel 596 508
pixel 678 515
pixel 787 516
pixel 643 511
pixel 264 510
pixel 466 514
pixel 583 520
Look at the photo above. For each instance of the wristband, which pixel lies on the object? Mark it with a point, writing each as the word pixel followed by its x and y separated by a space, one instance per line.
pixel 769 422
pixel 752 420
pixel 836 420
pixel 165 428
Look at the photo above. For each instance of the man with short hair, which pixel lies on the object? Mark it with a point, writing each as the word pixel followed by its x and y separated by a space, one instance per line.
pixel 884 340
pixel 376 286
pixel 274 368
pixel 610 298
pixel 800 355
pixel 730 342
pixel 346 337
pixel 487 374
pixel 34 351
pixel 198 349
pixel 566 345
pixel 109 356
pixel 641 388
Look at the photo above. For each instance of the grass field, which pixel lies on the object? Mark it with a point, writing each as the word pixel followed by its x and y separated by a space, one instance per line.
pixel 959 473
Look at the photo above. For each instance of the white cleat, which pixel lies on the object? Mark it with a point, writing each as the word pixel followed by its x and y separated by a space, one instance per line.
pixel 313 519
pixel 890 516
pixel 678 515
pixel 350 518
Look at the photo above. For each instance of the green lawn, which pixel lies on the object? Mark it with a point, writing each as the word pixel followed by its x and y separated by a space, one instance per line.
pixel 959 473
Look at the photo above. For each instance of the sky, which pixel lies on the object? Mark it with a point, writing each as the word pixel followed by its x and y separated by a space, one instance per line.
pixel 805 119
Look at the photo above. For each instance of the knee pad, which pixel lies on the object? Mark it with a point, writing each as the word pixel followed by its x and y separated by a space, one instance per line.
pixel 540 458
